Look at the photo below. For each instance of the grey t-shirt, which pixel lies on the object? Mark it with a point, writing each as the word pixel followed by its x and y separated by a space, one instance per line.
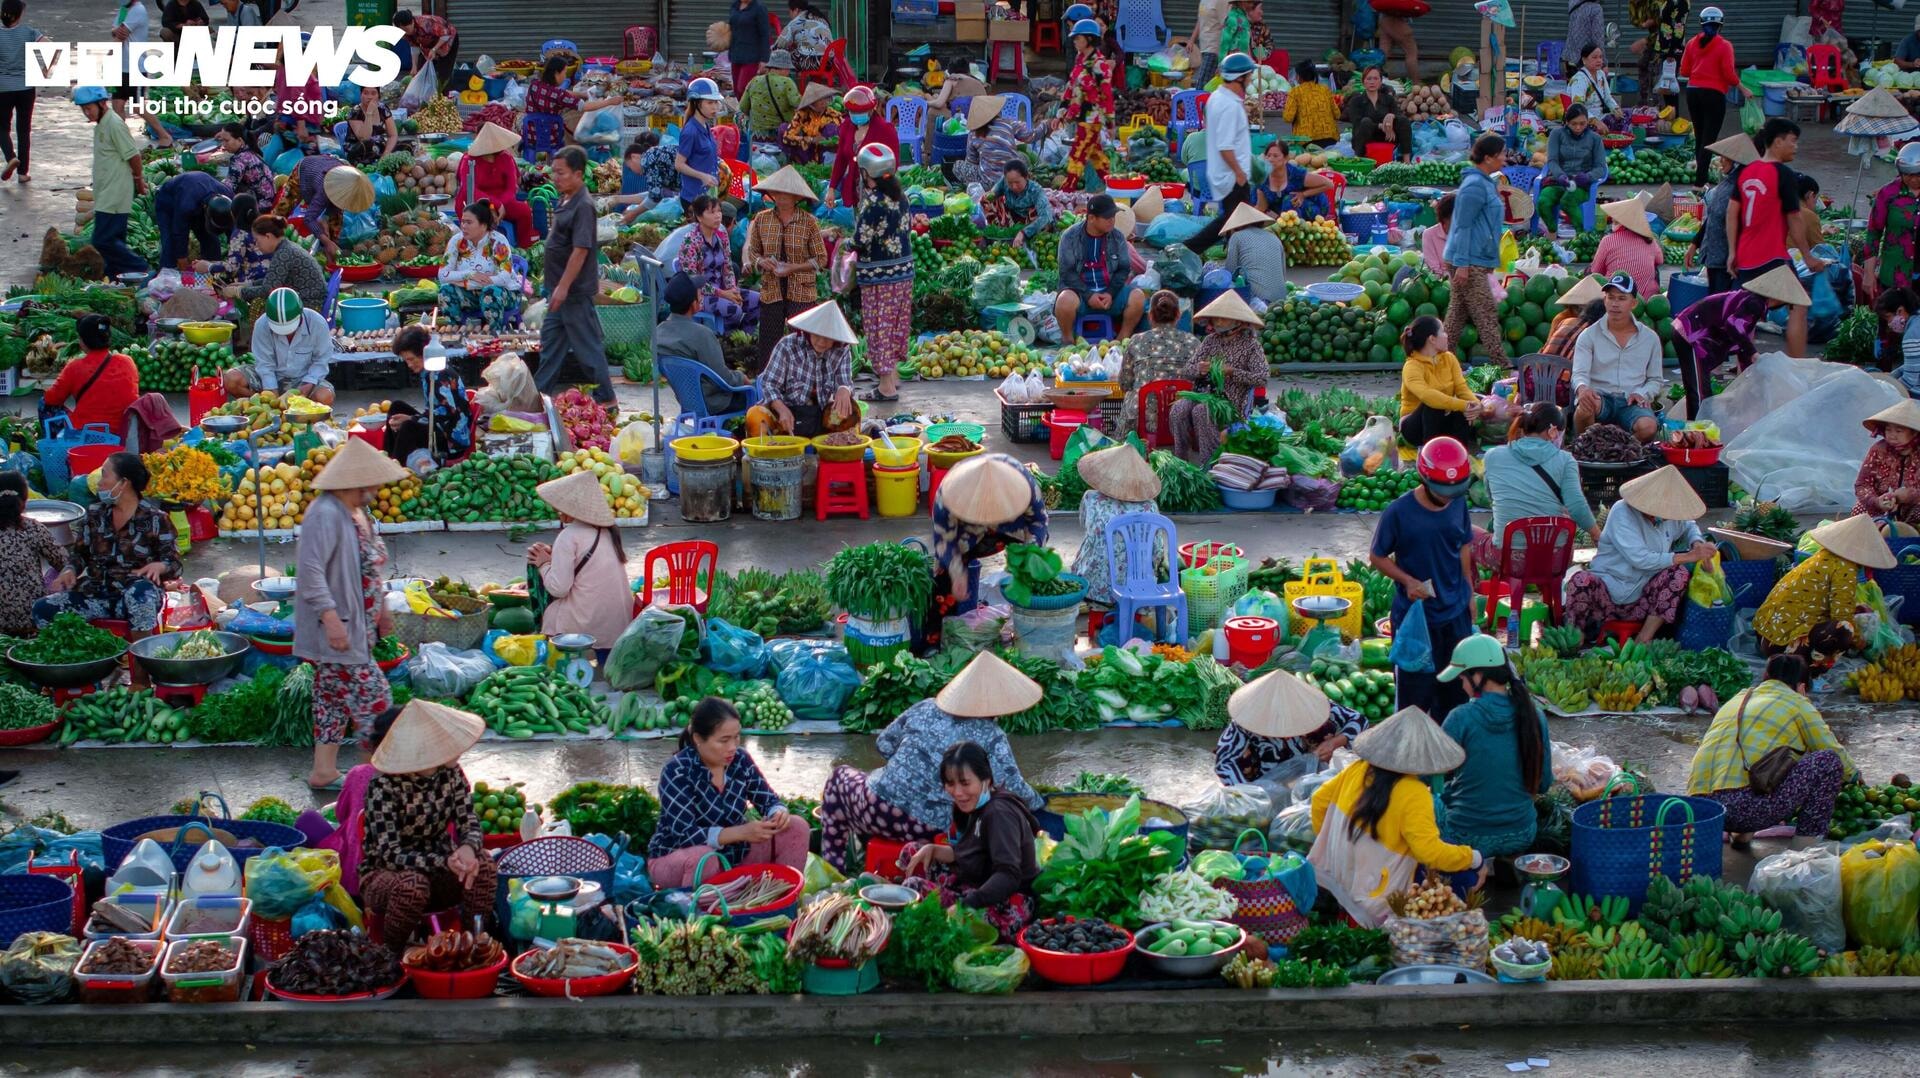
pixel 13 57
pixel 680 335
pixel 573 226
pixel 1259 256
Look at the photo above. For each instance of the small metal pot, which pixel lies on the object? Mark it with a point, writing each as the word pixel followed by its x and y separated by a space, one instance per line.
pixel 58 517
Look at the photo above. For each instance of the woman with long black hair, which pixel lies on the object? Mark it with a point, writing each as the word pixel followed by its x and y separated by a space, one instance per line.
pixel 1489 797
pixel 26 548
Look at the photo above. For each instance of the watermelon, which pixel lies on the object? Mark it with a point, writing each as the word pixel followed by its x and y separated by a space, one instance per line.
pixel 1540 290
pixel 1399 312
pixel 1415 292
pixel 1515 328
pixel 1531 312
pixel 515 620
pixel 1530 345
pixel 1426 310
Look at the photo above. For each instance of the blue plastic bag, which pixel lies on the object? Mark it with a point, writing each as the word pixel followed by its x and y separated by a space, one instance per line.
pixel 1171 228
pixel 1412 647
pixel 787 650
pixel 358 226
pixel 816 686
pixel 630 879
pixel 315 916
pixel 284 163
pixel 736 651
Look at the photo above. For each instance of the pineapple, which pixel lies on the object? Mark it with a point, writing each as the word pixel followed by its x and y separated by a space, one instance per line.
pixel 1766 519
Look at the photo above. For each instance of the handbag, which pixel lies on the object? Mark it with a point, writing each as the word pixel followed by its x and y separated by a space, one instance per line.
pixel 1766 775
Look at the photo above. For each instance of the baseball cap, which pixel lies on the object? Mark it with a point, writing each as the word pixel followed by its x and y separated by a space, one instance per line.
pixel 1102 206
pixel 681 292
pixel 284 310
pixel 1621 282
pixel 1476 652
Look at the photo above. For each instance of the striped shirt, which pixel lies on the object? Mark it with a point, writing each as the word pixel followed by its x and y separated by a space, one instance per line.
pixel 990 150
pixel 693 812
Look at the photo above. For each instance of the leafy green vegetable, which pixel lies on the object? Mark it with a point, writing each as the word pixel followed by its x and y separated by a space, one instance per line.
pixel 1036 572
pixel 926 938
pixel 1364 953
pixel 271 810
pixel 1184 488
pixel 889 689
pixel 881 580
pixel 1103 865
pixel 604 808
pixel 242 713
pixel 68 639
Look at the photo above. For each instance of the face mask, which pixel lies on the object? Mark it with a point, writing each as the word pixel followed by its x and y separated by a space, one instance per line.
pixel 107 496
pixel 1710 31
pixel 859 118
pixel 1898 323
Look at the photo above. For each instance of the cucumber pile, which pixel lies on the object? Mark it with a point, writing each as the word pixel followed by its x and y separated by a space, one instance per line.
pixel 634 713
pixel 1370 692
pixel 167 366
pixel 123 715
pixel 485 489
pixel 521 701
pixel 1191 939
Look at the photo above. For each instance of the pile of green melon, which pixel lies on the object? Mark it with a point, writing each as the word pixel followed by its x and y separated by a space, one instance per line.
pixel 1527 314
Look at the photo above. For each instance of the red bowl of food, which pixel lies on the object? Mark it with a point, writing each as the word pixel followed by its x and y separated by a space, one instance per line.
pixel 1126 186
pixel 29 735
pixel 1063 968
pixel 604 985
pixel 359 274
pixel 468 984
pixel 1692 458
pixel 387 665
pixel 420 273
pixel 356 997
pixel 1172 192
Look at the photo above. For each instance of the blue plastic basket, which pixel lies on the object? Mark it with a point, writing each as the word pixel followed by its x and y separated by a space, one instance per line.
pixel 34 903
pixel 1622 843
pixel 1751 580
pixel 1061 602
pixel 1248 499
pixel 1705 628
pixel 554 855
pixel 117 842
pixel 61 438
pixel 1362 223
pixel 1334 292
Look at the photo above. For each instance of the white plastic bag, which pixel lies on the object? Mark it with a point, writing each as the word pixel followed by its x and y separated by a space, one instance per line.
pixel 515 95
pixel 439 671
pixel 1220 814
pixel 1764 416
pixel 1367 450
pixel 1036 390
pixel 1013 389
pixel 633 441
pixel 1804 885
pixel 421 90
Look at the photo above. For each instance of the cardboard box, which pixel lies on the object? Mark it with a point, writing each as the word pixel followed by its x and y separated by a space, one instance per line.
pixel 1008 30
pixel 970 28
pixel 970 9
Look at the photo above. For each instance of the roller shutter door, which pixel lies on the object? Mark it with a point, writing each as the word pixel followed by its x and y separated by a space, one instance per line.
pixel 514 29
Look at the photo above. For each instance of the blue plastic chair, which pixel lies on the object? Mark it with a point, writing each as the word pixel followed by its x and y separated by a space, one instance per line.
pixel 1197 190
pixel 711 321
pixel 1138 587
pixel 1187 116
pixel 542 132
pixel 340 133
pixel 1092 326
pixel 908 115
pixel 1141 27
pixel 1018 107
pixel 1587 208
pixel 333 294
pixel 687 379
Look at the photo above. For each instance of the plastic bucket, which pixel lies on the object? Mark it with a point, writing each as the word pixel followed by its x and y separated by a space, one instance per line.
pixel 1380 152
pixel 82 460
pixel 1060 428
pixel 776 487
pixel 1251 640
pixel 1045 632
pixel 896 491
pixel 706 490
pixel 361 313
pixel 1773 100
pixel 871 642
pixel 904 454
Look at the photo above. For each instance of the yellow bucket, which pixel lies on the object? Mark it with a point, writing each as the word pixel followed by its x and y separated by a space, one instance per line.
pixel 857 451
pixel 897 491
pixel 904 454
pixel 704 448
pixel 775 446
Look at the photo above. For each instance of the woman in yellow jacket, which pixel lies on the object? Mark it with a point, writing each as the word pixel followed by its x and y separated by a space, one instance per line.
pixel 1810 611
pixel 1434 397
pixel 1373 823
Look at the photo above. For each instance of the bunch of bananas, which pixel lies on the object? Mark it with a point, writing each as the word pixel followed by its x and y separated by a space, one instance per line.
pixel 1872 962
pixel 1576 964
pixel 1699 956
pixel 1582 912
pixel 1617 693
pixel 1903 662
pixel 1632 957
pixel 1563 640
pixel 1780 954
pixel 1876 684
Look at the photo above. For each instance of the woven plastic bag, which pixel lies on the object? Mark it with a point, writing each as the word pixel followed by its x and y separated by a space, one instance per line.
pixel 975 974
pixel 1880 886
pixel 1804 885
pixel 38 967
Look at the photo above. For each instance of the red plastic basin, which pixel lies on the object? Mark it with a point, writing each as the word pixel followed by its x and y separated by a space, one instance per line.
pixel 472 984
pixel 605 985
pixel 1062 968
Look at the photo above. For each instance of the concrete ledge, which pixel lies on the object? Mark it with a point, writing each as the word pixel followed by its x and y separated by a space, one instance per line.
pixel 1028 1014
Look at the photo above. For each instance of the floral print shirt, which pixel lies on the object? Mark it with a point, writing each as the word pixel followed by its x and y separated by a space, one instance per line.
pixel 248 172
pixel 490 257
pixel 880 235
pixel 1887 469
pixel 407 818
pixel 104 555
pixel 913 745
pixel 245 263
pixel 1825 587
pixel 1158 354
pixel 1090 89
pixel 708 258
pixel 1892 230
pixel 22 551
pixel 1243 365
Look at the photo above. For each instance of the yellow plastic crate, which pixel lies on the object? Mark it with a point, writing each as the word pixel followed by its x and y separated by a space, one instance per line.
pixel 1322 576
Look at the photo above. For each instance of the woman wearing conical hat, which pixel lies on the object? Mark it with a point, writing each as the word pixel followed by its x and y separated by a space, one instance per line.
pixel 585 570
pixel 1721 326
pixel 1889 480
pixel 1230 364
pixel 1119 481
pixel 985 503
pixel 1277 719
pixel 808 383
pixel 1646 554
pixel 1811 609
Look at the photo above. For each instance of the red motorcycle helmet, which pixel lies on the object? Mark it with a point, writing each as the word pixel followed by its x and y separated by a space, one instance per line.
pixel 1446 466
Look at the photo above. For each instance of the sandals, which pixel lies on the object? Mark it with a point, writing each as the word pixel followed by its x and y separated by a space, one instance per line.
pixel 874 396
pixel 329 788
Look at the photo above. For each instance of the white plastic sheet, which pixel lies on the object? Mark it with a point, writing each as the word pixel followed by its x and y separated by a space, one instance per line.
pixel 1768 417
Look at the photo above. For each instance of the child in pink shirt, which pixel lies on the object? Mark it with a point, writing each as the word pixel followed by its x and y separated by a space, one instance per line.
pixel 1630 247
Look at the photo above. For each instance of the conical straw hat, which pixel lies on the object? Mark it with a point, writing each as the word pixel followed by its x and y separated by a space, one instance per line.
pixel 816 93
pixel 1245 216
pixel 1782 284
pixel 1905 414
pixel 1150 204
pixel 424 736
pixel 579 496
pixel 1584 291
pixel 986 490
pixel 988 688
pixel 1737 148
pixel 1278 705
pixel 983 110
pixel 1121 473
pixel 826 320
pixel 1878 104
pixel 356 465
pixel 1410 743
pixel 1631 214
pixel 1661 202
pixel 348 188
pixel 1231 307
pixel 492 139
pixel 1124 220
pixel 1858 540
pixel 1665 494
pixel 787 181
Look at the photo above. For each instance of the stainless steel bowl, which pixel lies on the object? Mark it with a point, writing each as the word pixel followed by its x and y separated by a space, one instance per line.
pixel 1323 607
pixel 889 896
pixel 275 587
pixel 223 425
pixel 152 651
pixel 65 675
pixel 58 517
pixel 1205 965
pixel 1435 975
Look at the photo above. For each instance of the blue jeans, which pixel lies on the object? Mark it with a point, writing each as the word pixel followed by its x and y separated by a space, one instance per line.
pixel 110 239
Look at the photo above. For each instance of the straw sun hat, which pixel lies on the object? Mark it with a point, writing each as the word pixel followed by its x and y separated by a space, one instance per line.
pixel 787 181
pixel 1120 473
pixel 348 188
pixel 1781 285
pixel 986 490
pixel 816 93
pixel 1278 705
pixel 1229 307
pixel 1585 291
pixel 579 496
pixel 1737 148
pixel 1905 414
pixel 492 139
pixel 356 465
pixel 826 320
pixel 1857 539
pixel 1410 743
pixel 1665 494
pixel 988 688
pixel 1630 214
pixel 424 736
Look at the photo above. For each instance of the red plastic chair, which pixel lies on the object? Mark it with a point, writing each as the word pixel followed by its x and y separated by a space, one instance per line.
pixel 684 566
pixel 1339 182
pixel 1541 559
pixel 1158 396
pixel 1824 69
pixel 726 139
pixel 833 69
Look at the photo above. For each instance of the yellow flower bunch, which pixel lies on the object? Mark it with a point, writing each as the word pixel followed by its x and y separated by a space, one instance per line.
pixel 184 474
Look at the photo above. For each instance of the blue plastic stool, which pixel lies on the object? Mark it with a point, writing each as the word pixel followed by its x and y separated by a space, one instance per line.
pixel 1093 327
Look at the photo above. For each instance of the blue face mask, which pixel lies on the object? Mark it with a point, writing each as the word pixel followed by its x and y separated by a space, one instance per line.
pixel 859 118
pixel 107 496
pixel 1710 31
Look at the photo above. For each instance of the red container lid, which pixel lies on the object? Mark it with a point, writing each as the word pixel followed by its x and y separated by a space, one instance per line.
pixel 1251 624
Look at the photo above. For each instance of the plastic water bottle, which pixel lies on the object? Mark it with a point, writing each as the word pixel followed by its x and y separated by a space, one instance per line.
pixel 529 826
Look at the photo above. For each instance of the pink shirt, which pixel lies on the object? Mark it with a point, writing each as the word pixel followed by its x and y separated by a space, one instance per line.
pixel 1630 253
pixel 1433 249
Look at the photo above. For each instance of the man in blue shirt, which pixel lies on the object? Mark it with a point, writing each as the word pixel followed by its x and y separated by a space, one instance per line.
pixel 1473 248
pixel 1423 542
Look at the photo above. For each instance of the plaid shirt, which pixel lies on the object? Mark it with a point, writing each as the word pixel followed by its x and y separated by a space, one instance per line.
pixel 543 96
pixel 798 375
pixel 104 555
pixel 1561 338
pixel 797 241
pixel 407 817
pixel 692 812
pixel 1775 716
pixel 426 31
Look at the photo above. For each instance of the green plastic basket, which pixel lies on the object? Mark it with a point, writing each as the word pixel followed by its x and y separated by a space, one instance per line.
pixel 624 323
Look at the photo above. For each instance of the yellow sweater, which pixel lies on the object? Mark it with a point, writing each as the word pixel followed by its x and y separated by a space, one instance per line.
pixel 1408 827
pixel 1435 381
pixel 1310 110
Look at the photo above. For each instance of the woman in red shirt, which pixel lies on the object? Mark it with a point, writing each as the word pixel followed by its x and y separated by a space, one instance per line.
pixel 1707 65
pixel 864 125
pixel 489 171
pixel 101 385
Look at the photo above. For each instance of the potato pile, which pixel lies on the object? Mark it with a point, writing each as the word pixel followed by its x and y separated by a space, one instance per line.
pixel 1426 103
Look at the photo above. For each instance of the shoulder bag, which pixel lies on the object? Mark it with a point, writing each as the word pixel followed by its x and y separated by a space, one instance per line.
pixel 1765 775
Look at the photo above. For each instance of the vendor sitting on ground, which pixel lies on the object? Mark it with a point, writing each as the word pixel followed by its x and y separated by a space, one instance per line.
pixel 1616 367
pixel 1016 201
pixel 1771 715
pixel 1229 364
pixel 1583 305
pixel 329 188
pixel 292 349
pixel 1489 797
pixel 985 503
pixel 449 434
pixel 1435 400
pixel 1647 551
pixel 1119 482
pixel 122 557
pixel 1157 354
pixel 1576 164
pixel 1288 186
pixel 906 800
pixel 1279 721
pixel 1889 480
pixel 1373 823
pixel 993 139
pixel 288 265
pixel 1096 273
pixel 713 798
pixel 584 572
pixel 681 337
pixel 27 548
pixel 423 848
pixel 988 861
pixel 1810 611
pixel 1531 476
pixel 478 282
pixel 1255 254
pixel 808 383
pixel 99 386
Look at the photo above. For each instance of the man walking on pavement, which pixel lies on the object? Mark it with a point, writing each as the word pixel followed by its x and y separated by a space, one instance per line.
pixel 1229 148
pixel 572 326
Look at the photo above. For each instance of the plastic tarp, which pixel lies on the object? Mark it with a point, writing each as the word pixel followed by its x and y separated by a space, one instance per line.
pixel 1766 416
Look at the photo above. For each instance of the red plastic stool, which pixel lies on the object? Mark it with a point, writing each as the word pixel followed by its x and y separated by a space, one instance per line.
pixel 1621 631
pixel 373 436
pixel 1046 36
pixel 997 64
pixel 1096 621
pixel 180 695
pixel 840 488
pixel 113 625
pixel 1155 400
pixel 883 856
pixel 63 697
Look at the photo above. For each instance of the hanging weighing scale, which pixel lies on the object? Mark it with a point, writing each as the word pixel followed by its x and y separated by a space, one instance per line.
pixel 1013 319
pixel 1542 894
pixel 576 657
pixel 1320 609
